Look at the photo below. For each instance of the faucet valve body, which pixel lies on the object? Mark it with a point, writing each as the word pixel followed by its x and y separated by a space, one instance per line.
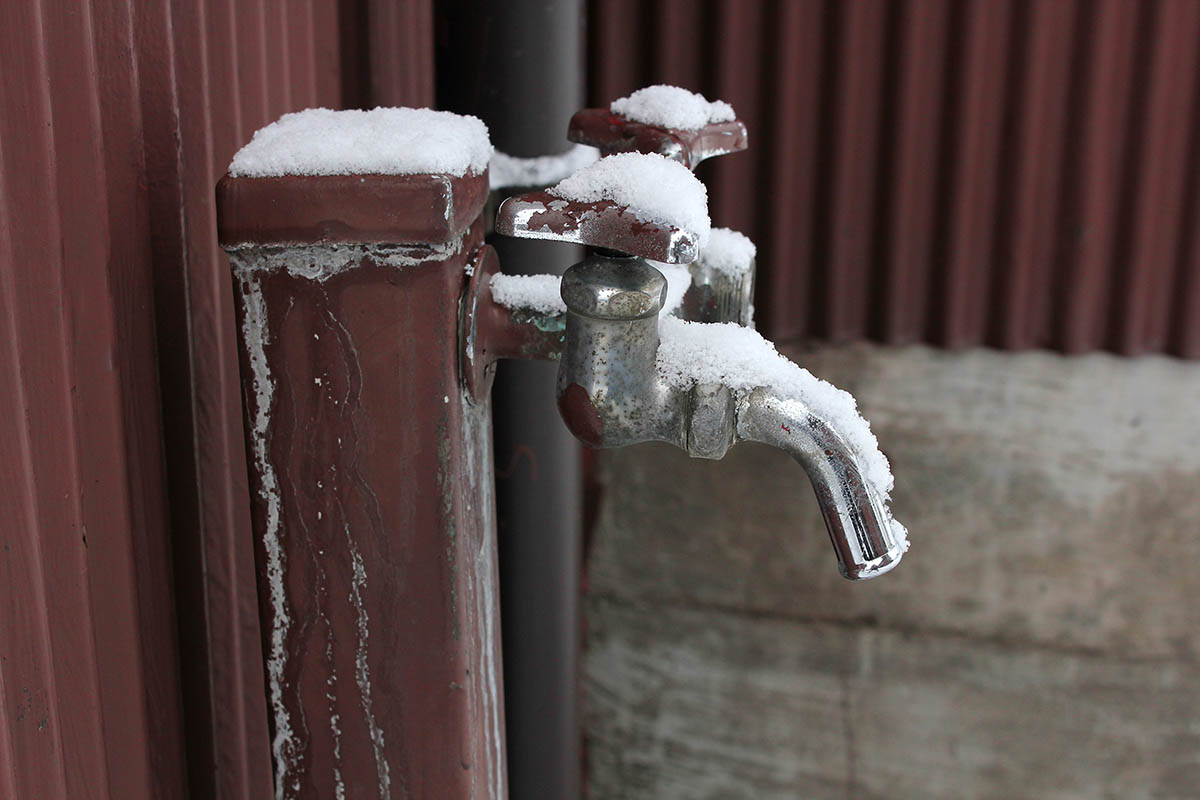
pixel 608 393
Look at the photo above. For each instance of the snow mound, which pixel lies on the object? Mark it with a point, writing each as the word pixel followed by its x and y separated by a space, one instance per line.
pixel 387 141
pixel 678 280
pixel 505 170
pixel 540 293
pixel 729 252
pixel 672 107
pixel 655 188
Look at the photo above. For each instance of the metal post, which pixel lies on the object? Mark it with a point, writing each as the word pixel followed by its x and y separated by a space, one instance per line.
pixel 519 67
pixel 371 482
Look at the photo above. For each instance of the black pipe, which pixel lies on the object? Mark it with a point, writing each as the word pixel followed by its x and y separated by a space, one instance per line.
pixel 519 67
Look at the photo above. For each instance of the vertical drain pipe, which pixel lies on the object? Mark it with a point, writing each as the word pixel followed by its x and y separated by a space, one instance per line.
pixel 519 67
pixel 371 481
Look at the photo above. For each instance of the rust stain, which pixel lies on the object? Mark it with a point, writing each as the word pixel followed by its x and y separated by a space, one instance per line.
pixel 581 416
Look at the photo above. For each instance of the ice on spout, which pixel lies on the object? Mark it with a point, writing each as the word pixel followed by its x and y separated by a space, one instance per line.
pixel 691 353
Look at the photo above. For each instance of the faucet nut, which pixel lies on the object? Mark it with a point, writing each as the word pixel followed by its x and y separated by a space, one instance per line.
pixel 614 287
pixel 711 421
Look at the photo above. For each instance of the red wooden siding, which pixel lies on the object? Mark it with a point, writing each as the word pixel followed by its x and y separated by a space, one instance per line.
pixel 122 462
pixel 1014 174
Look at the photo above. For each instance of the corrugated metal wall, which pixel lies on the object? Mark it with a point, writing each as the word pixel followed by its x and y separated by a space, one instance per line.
pixel 1021 174
pixel 121 415
pixel 1016 174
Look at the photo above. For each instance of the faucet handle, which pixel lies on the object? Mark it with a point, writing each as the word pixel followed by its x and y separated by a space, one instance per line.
pixel 611 133
pixel 604 223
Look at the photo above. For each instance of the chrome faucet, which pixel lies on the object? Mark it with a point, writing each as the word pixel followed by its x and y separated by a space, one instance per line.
pixel 610 389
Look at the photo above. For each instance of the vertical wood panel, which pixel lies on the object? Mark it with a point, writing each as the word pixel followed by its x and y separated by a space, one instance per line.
pixel 142 561
pixel 1142 302
pixel 855 130
pixel 59 704
pixel 1186 310
pixel 1091 223
pixel 234 727
pixel 791 142
pixel 735 205
pixel 614 49
pixel 401 60
pixel 1026 249
pixel 912 200
pixel 974 173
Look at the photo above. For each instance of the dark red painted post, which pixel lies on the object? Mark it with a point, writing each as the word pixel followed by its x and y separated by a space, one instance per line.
pixel 371 479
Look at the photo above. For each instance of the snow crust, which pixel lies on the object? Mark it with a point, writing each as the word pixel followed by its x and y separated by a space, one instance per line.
pixel 740 358
pixel 542 293
pixel 729 252
pixel 654 187
pixel 388 141
pixel 672 107
pixel 505 170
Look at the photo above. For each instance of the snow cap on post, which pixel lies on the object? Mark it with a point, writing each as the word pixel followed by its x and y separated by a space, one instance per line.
pixel 389 175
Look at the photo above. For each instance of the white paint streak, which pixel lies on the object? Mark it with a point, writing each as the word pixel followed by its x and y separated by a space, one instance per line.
pixel 321 262
pixel 335 728
pixel 362 668
pixel 256 334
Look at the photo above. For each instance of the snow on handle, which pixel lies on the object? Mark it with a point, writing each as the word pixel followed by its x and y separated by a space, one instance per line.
pixel 672 107
pixel 540 293
pixel 385 141
pixel 653 187
pixel 729 252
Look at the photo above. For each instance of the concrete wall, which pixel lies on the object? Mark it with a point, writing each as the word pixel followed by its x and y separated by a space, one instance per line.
pixel 1041 639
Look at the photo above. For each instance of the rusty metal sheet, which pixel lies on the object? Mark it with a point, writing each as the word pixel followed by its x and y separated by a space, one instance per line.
pixel 127 523
pixel 1015 175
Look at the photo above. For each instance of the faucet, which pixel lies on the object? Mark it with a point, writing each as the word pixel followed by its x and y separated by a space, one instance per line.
pixel 620 378
pixel 613 388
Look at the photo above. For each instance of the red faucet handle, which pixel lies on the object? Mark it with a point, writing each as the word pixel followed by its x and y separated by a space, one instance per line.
pixel 611 133
pixel 604 223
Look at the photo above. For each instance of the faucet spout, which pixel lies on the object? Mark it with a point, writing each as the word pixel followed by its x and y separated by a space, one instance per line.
pixel 864 535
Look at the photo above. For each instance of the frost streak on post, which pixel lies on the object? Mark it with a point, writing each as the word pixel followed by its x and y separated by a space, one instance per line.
pixel 335 728
pixel 256 334
pixel 362 672
pixel 479 467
